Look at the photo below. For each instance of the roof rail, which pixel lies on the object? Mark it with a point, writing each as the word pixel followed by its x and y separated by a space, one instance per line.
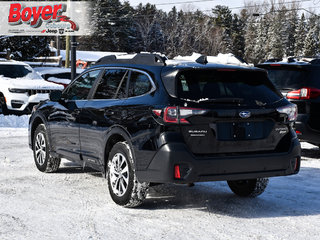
pixel 149 59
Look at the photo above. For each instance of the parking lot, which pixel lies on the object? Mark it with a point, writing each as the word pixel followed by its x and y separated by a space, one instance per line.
pixel 75 204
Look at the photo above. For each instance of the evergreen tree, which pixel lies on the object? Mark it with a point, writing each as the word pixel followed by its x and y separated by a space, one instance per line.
pixel 262 38
pixel 170 26
pixel 290 29
pixel 25 48
pixel 222 18
pixel 250 41
pixel 237 35
pixel 311 46
pixel 112 25
pixel 300 36
pixel 275 40
pixel 148 28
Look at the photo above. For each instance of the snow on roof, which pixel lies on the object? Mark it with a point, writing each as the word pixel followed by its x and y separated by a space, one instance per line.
pixel 49 64
pixel 228 58
pixel 12 62
pixel 292 61
pixel 55 70
pixel 90 56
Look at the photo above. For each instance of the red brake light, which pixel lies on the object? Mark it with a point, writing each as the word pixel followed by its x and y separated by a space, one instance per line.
pixel 275 65
pixel 179 114
pixel 177 172
pixel 157 112
pixel 304 93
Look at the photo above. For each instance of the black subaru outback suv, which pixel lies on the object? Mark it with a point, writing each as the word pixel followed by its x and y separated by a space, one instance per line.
pixel 149 120
pixel 298 80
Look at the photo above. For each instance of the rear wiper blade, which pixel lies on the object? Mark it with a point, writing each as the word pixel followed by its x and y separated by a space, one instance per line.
pixel 223 100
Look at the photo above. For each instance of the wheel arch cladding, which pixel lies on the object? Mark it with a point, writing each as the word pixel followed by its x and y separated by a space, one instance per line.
pixel 115 135
pixel 36 122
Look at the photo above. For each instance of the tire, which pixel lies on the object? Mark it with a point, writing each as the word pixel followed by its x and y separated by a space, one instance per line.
pixel 3 106
pixel 248 188
pixel 41 152
pixel 124 187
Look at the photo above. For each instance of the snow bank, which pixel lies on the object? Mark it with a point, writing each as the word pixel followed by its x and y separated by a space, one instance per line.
pixel 12 121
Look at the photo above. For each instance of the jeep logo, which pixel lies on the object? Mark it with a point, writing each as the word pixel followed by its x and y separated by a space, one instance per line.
pixel 245 114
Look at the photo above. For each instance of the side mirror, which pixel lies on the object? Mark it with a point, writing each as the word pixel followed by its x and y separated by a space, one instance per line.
pixel 55 96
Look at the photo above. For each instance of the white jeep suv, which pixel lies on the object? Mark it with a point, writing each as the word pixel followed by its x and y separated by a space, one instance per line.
pixel 21 87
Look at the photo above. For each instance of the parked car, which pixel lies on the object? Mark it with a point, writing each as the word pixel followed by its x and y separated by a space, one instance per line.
pixel 146 119
pixel 21 87
pixel 298 80
pixel 57 75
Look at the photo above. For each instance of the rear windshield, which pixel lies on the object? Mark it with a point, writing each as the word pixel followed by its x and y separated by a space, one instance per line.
pixel 287 79
pixel 251 87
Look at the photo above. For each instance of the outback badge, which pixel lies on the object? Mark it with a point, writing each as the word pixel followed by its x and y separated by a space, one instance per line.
pixel 245 114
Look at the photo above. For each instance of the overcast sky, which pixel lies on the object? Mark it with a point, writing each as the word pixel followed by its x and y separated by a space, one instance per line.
pixel 204 5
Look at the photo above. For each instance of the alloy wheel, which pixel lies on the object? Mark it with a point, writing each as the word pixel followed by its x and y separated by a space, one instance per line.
pixel 119 174
pixel 40 149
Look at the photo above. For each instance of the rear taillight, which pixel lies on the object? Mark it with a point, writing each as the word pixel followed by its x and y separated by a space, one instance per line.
pixel 304 93
pixel 177 174
pixel 178 114
pixel 290 110
pixel 171 115
pixel 275 65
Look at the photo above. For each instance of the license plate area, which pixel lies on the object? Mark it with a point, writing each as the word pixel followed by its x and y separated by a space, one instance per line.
pixel 240 130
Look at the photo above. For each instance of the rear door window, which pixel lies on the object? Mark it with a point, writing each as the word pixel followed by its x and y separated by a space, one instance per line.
pixel 112 85
pixel 251 87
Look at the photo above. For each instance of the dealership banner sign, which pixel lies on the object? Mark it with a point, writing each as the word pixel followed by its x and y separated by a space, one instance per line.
pixel 44 18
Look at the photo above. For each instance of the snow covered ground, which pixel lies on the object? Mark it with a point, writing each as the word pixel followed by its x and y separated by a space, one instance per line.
pixel 75 204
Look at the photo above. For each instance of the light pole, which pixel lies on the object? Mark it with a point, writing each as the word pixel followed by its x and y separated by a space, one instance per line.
pixel 73 56
pixel 73 52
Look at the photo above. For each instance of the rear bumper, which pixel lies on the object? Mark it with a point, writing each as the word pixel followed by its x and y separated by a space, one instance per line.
pixel 195 169
pixel 306 133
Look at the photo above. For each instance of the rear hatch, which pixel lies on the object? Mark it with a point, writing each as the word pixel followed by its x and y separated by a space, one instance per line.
pixel 229 111
pixel 301 85
pixel 288 78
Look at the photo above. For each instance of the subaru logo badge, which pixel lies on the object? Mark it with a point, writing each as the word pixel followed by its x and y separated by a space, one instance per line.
pixel 245 114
